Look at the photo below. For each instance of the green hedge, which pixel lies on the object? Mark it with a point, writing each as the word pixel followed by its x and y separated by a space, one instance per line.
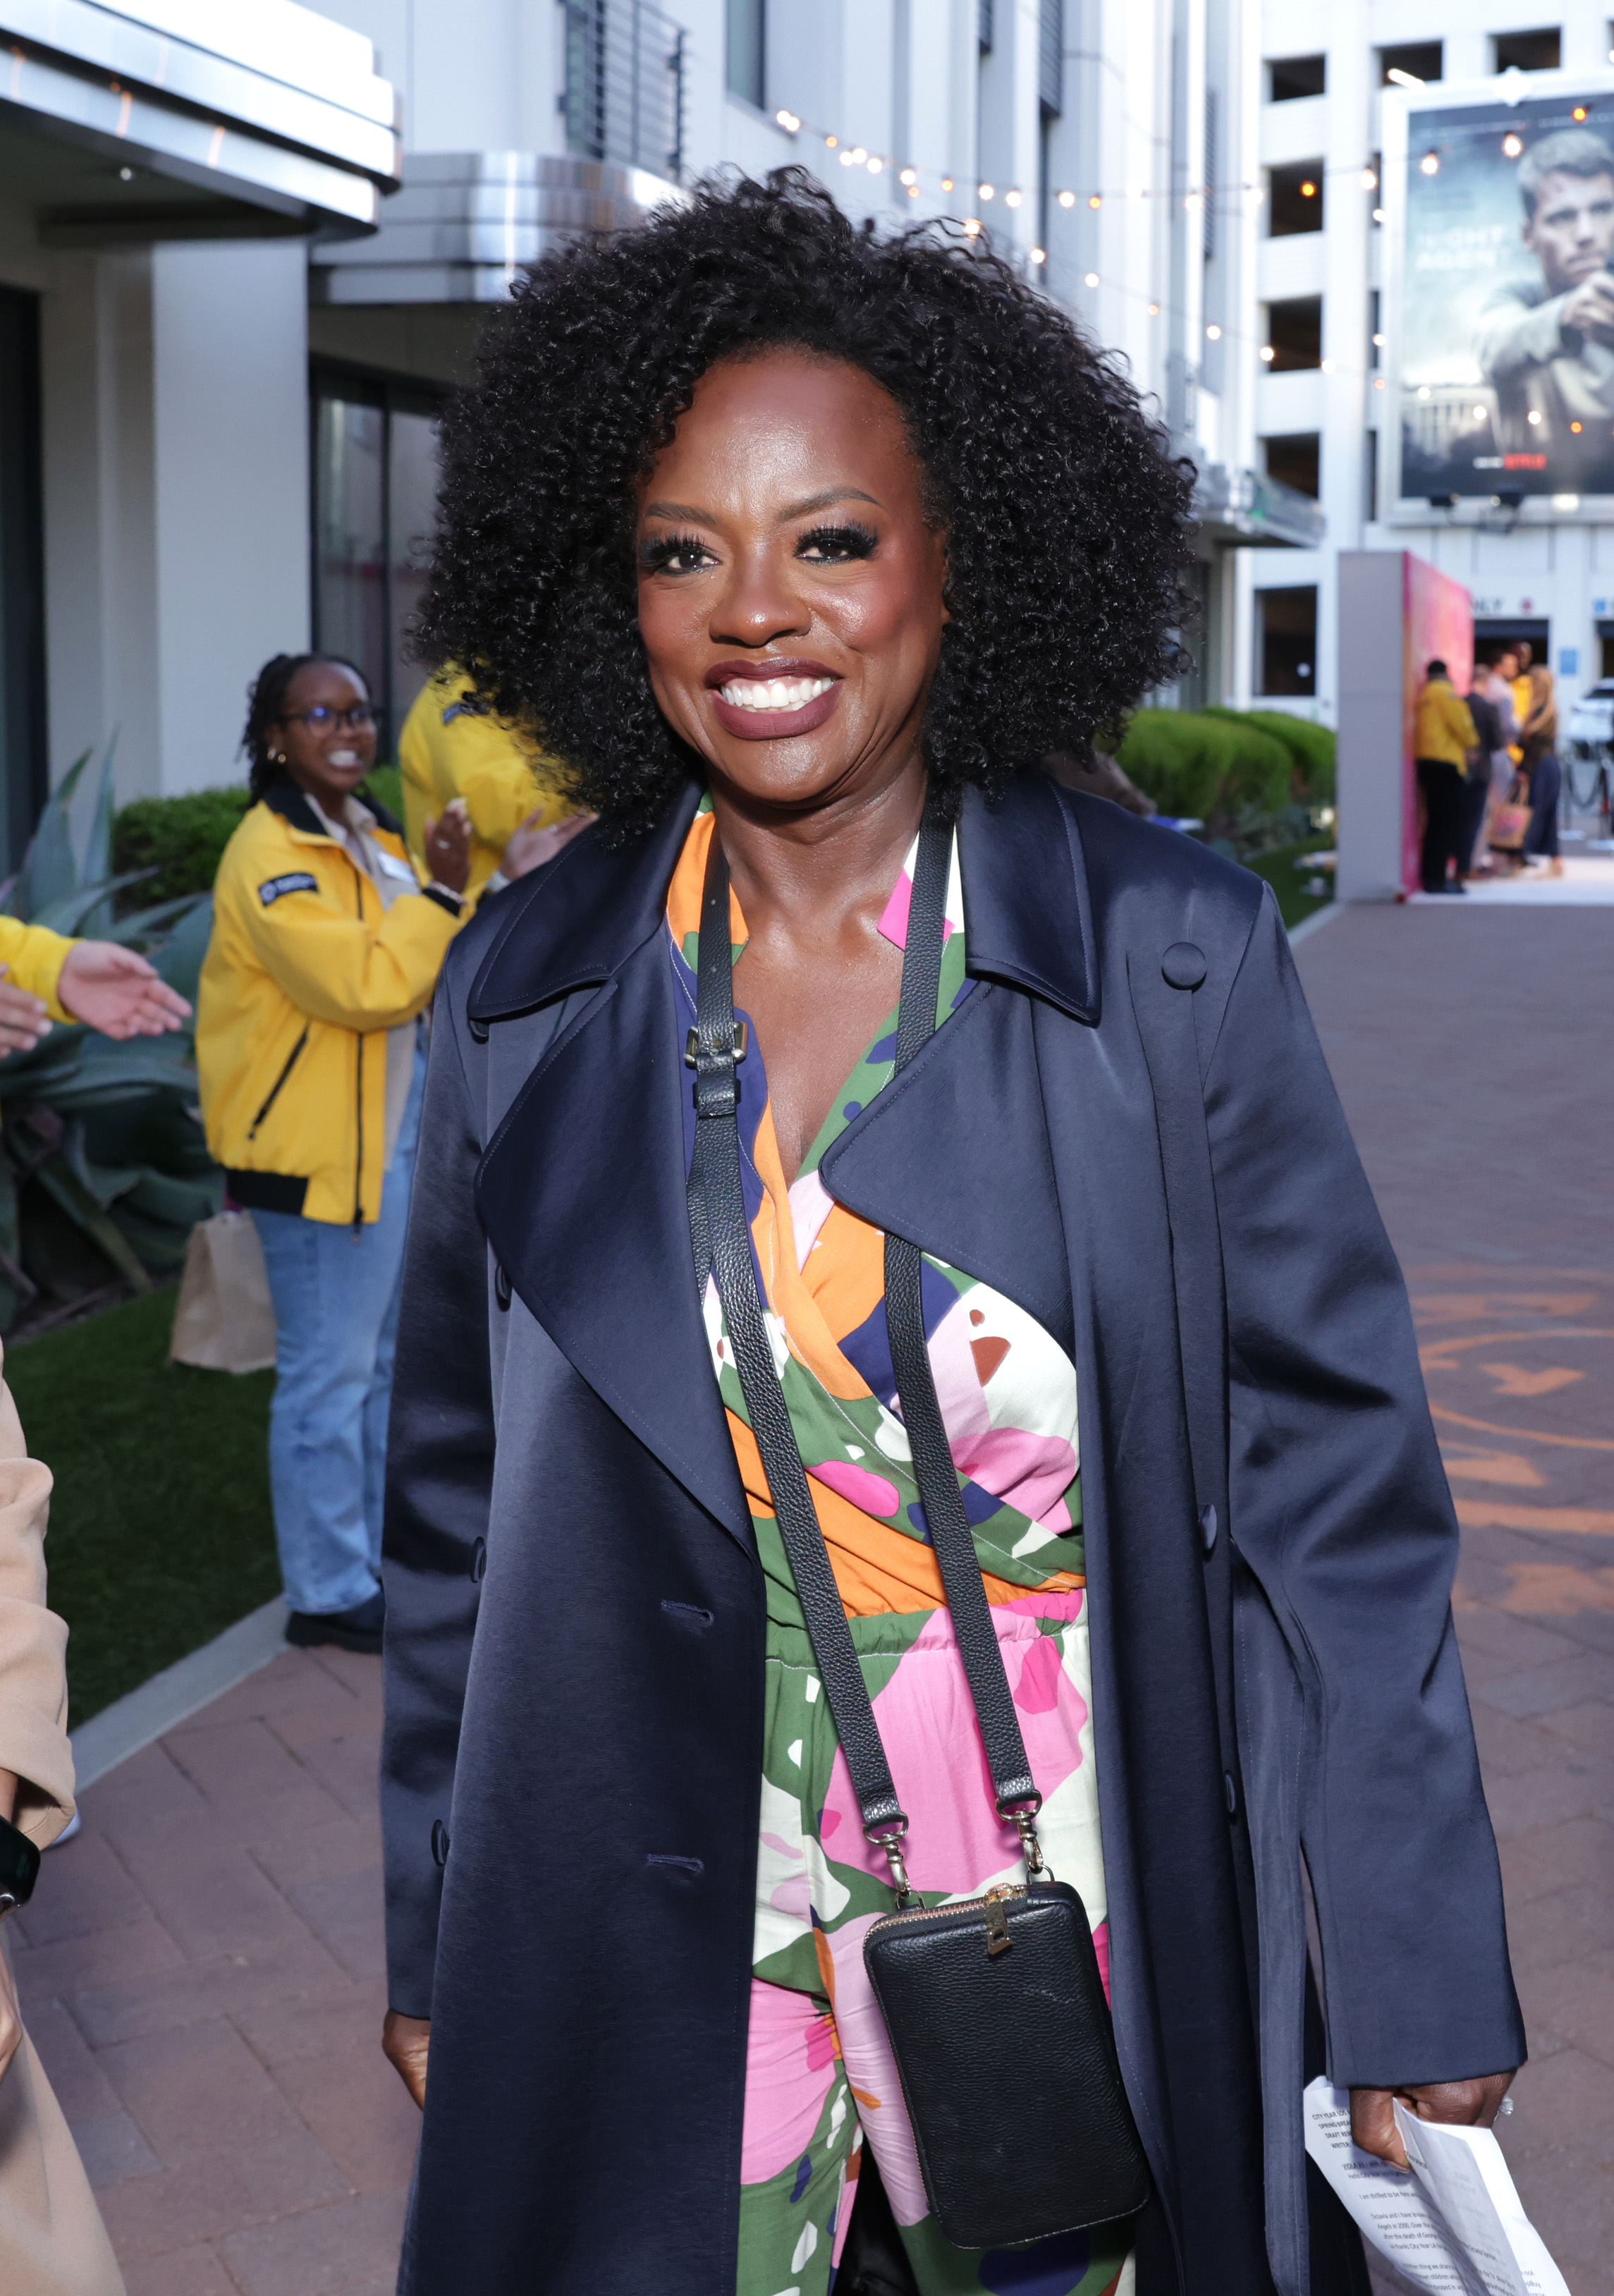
pixel 1219 765
pixel 184 837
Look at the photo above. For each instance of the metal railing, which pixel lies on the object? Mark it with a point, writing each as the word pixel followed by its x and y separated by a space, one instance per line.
pixel 625 85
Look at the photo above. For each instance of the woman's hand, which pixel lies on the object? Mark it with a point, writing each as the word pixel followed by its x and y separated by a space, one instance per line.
pixel 448 846
pixel 114 990
pixel 1469 2103
pixel 531 845
pixel 24 1022
pixel 404 2041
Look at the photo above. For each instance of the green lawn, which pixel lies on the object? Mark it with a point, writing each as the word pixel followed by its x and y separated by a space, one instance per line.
pixel 161 1533
pixel 1288 882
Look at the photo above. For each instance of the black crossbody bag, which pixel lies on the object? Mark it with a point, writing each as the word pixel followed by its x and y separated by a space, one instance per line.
pixel 995 2006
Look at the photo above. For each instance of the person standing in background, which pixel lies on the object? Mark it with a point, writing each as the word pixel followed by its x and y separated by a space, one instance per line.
pixel 1498 690
pixel 1444 734
pixel 453 752
pixel 1477 788
pixel 1539 742
pixel 1518 685
pixel 325 951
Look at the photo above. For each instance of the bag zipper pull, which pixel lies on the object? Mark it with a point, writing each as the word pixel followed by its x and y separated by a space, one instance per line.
pixel 998 1939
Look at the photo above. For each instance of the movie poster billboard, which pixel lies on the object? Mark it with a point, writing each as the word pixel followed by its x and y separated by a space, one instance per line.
pixel 1501 218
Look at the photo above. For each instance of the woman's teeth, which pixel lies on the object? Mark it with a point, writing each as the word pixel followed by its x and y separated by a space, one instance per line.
pixel 775 693
pixel 342 757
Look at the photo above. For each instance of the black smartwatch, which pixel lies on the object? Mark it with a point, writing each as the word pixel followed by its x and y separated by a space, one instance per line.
pixel 19 1867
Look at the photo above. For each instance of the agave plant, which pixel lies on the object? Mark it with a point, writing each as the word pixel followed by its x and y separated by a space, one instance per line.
pixel 103 1167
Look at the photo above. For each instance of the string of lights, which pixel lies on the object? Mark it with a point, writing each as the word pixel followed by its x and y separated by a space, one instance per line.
pixel 915 181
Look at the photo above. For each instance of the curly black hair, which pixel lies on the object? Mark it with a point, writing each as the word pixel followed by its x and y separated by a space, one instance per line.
pixel 1065 512
pixel 266 701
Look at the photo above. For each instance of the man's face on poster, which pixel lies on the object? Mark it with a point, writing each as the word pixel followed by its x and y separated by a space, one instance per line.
pixel 1572 230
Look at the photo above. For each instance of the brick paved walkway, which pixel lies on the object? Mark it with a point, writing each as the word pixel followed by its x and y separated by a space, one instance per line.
pixel 1475 1055
pixel 201 1967
pixel 202 1974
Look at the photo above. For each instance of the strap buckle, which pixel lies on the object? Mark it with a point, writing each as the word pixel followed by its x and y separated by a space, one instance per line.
pixel 888 1838
pixel 736 1050
pixel 1021 1814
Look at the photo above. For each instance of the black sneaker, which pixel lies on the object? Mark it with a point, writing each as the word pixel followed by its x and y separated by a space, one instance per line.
pixel 358 1629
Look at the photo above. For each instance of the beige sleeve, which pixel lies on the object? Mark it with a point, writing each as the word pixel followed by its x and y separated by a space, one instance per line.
pixel 33 1643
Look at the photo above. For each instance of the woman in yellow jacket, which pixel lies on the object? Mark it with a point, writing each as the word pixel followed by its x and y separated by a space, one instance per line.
pixel 326 950
pixel 451 746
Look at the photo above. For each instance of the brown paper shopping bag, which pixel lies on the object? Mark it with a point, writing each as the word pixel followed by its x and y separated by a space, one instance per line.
pixel 225 1318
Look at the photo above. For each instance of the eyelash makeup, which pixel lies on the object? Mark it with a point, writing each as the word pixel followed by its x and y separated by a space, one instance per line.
pixel 842 542
pixel 660 553
pixel 685 553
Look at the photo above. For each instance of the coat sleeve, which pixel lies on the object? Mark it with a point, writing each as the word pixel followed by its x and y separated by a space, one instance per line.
pixel 33 957
pixel 1340 1507
pixel 439 1478
pixel 352 971
pixel 33 1643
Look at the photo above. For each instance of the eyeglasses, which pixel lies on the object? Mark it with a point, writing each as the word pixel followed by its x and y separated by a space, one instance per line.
pixel 320 720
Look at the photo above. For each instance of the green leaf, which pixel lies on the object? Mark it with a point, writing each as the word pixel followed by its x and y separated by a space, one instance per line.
pixel 74 911
pixel 180 958
pixel 142 925
pixel 49 870
pixel 58 1178
pixel 98 852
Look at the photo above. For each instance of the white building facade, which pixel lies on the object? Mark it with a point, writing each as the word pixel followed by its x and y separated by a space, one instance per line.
pixel 1327 395
pixel 246 248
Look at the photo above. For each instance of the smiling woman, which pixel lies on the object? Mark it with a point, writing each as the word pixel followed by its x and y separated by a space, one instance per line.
pixel 888 1281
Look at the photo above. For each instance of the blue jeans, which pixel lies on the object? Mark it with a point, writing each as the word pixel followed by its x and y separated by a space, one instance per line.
pixel 336 1295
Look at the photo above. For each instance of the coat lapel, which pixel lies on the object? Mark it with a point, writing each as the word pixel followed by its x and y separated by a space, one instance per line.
pixel 953 1155
pixel 581 1190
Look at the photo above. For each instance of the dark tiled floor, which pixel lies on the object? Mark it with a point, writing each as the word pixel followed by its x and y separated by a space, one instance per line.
pixel 202 1968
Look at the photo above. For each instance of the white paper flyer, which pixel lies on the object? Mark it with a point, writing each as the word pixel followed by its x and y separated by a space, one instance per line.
pixel 1454 2226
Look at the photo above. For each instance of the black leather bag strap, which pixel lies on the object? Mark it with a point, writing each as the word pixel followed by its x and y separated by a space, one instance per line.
pixel 1163 999
pixel 721 1240
pixel 937 1479
pixel 721 1236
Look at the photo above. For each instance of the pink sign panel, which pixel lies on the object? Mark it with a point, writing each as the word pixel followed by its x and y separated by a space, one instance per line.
pixel 1436 625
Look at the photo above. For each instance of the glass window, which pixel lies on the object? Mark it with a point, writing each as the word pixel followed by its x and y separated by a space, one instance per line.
pixel 411 477
pixel 350 535
pixel 1296 75
pixel 1286 635
pixel 375 477
pixel 1294 197
pixel 747 52
pixel 23 743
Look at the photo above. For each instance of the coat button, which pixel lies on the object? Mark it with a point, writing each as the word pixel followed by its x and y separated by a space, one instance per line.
pixel 1208 1528
pixel 478 1031
pixel 479 1561
pixel 439 1842
pixel 501 1284
pixel 1184 965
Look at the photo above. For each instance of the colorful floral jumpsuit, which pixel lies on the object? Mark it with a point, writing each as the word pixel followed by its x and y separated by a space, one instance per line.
pixel 820 2077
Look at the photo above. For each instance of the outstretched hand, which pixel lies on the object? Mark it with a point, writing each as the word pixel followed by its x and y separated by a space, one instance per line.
pixel 116 990
pixel 1469 2103
pixel 531 845
pixel 24 1022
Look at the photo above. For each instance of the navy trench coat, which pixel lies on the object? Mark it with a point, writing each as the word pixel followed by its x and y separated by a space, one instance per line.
pixel 575 1606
